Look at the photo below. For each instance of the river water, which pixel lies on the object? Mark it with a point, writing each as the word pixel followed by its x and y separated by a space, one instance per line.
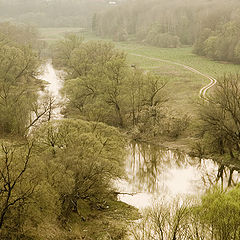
pixel 53 78
pixel 154 172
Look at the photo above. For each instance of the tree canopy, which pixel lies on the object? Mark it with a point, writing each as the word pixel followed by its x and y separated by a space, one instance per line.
pixel 101 86
pixel 219 126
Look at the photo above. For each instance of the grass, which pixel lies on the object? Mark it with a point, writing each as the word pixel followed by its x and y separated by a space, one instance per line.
pixel 51 35
pixel 101 224
pixel 183 85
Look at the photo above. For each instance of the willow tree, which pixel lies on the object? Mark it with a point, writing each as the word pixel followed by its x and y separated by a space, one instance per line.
pixel 18 67
pixel 81 159
pixel 96 74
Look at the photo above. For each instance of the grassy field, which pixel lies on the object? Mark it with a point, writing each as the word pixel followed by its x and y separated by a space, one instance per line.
pixel 183 85
pixel 53 34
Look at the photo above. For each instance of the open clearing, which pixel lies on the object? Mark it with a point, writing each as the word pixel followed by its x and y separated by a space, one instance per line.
pixel 53 34
pixel 183 85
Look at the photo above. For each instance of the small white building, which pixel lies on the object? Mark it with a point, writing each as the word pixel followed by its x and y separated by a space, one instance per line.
pixel 112 3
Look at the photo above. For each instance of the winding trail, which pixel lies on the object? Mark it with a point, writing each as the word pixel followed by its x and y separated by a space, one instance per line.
pixel 203 91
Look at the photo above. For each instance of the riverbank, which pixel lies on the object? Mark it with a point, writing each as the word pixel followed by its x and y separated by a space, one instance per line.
pixel 185 144
pixel 109 221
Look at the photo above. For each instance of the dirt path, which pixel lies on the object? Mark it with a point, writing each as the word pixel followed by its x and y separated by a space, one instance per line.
pixel 203 91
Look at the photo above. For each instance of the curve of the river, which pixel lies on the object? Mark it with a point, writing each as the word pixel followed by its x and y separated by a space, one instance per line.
pixel 154 172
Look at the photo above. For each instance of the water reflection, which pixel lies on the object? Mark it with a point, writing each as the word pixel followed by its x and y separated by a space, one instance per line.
pixel 155 172
pixel 53 78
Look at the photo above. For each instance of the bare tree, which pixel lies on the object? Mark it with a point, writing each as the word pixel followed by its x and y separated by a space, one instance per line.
pixel 42 111
pixel 164 222
pixel 13 185
pixel 220 120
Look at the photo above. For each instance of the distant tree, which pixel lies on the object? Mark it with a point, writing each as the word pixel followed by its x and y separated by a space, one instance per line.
pixel 19 34
pixel 221 44
pixel 54 13
pixel 160 37
pixel 62 51
pixel 94 23
pixel 198 46
pixel 237 52
pixel 210 49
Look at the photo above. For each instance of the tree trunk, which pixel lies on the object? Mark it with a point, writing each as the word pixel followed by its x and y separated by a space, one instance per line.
pixel 119 115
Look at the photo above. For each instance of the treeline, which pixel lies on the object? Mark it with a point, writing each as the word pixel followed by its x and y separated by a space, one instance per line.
pixel 100 86
pixel 211 26
pixel 54 13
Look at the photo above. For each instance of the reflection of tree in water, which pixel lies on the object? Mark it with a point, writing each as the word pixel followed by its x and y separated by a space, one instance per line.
pixel 223 175
pixel 150 166
pixel 147 163
pixel 144 165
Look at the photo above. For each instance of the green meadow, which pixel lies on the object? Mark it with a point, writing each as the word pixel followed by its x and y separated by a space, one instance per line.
pixel 183 85
pixel 51 35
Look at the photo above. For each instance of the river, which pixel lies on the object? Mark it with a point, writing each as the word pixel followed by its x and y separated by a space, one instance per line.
pixel 53 78
pixel 154 172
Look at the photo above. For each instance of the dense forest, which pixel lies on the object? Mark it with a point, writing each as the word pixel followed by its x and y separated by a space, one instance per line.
pixel 58 176
pixel 52 13
pixel 211 26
